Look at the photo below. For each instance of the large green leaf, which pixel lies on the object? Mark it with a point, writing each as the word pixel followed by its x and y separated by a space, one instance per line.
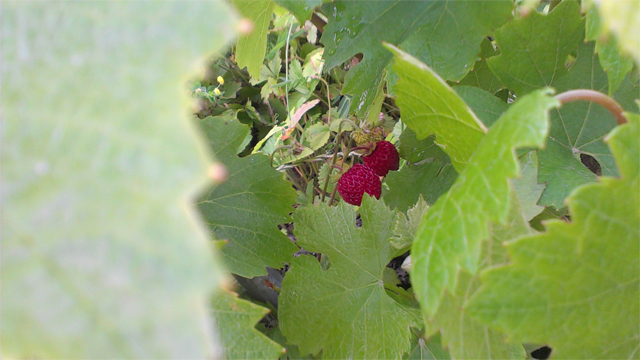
pixel 301 9
pixel 577 129
pixel 236 320
pixel 463 336
pixel 576 286
pixel 612 61
pixel 621 18
pixel 248 206
pixel 534 49
pixel 361 26
pixel 430 106
pixel 452 231
pixel 528 62
pixel 99 257
pixel 252 46
pixel 344 310
pixel 481 76
pixel 450 39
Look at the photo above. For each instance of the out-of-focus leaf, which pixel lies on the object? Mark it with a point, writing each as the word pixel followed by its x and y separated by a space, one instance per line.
pixel 99 256
pixel 612 61
pixel 622 18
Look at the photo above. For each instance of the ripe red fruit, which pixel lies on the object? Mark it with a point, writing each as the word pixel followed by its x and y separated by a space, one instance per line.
pixel 357 181
pixel 383 158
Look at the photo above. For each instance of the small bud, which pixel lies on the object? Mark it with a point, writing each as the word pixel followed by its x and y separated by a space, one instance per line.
pixel 245 26
pixel 217 91
pixel 220 80
pixel 198 90
pixel 218 172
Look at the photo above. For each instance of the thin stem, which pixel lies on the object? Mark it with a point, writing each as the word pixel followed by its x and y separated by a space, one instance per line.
pixel 597 97
pixel 286 69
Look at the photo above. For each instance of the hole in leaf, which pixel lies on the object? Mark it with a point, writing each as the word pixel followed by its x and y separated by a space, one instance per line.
pixel 591 163
pixel 542 353
pixel 403 275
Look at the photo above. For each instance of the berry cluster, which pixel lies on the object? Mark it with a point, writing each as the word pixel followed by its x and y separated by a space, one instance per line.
pixel 365 178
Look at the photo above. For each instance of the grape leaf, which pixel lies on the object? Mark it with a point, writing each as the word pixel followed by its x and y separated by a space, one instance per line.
pixel 621 18
pixel 451 232
pixel 463 336
pixel 428 350
pixel 252 47
pixel 236 320
pixel 613 63
pixel 430 106
pixel 487 107
pixel 248 206
pixel 450 39
pixel 481 76
pixel 406 226
pixel 526 186
pixel 577 129
pixel 429 180
pixel 577 276
pixel 360 27
pixel 301 9
pixel 99 257
pixel 534 49
pixel 344 310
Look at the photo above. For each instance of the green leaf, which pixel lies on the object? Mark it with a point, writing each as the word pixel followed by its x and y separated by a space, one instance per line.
pixel 487 107
pixel 577 129
pixel 235 321
pixel 430 106
pixel 621 18
pixel 99 257
pixel 429 180
pixel 578 276
pixel 453 229
pixel 406 226
pixel 292 352
pixel 427 350
pixel 450 39
pixel 481 76
pixel 318 135
pixel 611 60
pixel 344 311
pixel 526 186
pixel 252 47
pixel 534 49
pixel 248 206
pixel 414 150
pixel 360 27
pixel 301 9
pixel 463 336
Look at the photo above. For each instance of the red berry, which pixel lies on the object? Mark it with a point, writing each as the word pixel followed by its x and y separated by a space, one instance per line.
pixel 383 158
pixel 357 181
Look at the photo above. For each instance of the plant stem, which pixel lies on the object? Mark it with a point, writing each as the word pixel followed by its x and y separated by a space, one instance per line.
pixel 597 97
